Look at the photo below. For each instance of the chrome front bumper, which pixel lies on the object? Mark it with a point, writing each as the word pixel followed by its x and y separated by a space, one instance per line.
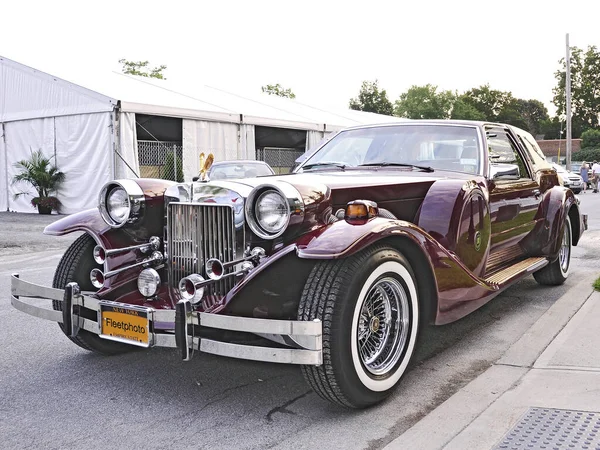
pixel 306 337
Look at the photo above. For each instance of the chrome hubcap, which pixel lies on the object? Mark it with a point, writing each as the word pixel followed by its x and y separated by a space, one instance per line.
pixel 383 326
pixel 565 249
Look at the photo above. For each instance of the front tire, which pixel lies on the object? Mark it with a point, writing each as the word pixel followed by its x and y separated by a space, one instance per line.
pixel 557 271
pixel 76 265
pixel 369 308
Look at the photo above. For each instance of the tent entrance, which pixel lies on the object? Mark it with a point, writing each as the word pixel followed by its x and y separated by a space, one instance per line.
pixel 160 149
pixel 279 147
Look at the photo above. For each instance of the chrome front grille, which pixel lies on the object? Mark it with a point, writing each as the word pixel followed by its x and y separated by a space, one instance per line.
pixel 196 233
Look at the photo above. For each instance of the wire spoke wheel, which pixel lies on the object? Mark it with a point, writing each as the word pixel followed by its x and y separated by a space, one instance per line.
pixel 565 250
pixel 383 325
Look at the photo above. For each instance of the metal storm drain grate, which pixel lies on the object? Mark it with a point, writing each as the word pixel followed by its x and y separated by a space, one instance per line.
pixel 554 429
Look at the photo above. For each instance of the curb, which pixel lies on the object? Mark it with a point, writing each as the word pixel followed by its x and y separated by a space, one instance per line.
pixel 449 419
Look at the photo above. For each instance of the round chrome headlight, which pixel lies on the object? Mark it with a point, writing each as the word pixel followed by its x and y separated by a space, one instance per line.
pixel 271 208
pixel 117 204
pixel 120 202
pixel 271 211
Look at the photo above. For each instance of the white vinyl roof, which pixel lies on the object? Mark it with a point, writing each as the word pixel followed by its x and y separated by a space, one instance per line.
pixel 27 93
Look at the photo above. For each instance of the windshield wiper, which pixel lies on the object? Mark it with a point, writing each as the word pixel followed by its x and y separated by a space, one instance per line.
pixel 325 163
pixel 384 164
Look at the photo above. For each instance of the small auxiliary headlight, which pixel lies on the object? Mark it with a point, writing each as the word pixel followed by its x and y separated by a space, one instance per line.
pixel 148 282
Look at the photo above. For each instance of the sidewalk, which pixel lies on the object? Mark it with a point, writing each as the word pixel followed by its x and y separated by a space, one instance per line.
pixel 542 393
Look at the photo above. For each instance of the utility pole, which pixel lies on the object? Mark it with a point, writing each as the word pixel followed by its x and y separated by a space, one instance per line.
pixel 568 92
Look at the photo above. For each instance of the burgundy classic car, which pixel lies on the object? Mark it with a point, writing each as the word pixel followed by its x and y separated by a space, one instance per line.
pixel 335 267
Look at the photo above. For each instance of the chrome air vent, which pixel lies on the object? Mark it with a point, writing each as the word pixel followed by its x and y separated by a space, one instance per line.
pixel 196 233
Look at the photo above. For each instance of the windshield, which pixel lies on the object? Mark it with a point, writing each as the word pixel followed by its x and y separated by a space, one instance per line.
pixel 238 170
pixel 437 146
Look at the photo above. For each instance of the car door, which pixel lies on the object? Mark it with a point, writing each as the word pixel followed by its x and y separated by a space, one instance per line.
pixel 514 196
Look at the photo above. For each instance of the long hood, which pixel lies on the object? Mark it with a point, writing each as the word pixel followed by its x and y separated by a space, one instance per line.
pixel 399 191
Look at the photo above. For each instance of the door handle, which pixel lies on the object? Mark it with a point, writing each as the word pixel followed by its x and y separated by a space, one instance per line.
pixel 537 193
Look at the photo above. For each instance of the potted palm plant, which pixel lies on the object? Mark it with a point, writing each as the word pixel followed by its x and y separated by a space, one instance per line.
pixel 44 177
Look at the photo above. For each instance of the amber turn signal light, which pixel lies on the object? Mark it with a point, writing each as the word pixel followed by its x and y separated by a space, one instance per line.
pixel 359 211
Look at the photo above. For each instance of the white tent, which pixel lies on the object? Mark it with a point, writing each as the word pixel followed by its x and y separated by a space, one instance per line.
pixel 91 131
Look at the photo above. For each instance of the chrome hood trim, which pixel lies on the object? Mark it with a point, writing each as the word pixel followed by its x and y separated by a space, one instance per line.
pixel 220 192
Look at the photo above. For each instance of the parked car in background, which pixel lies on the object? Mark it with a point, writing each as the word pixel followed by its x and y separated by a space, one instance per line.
pixel 569 179
pixel 336 267
pixel 236 169
pixel 576 168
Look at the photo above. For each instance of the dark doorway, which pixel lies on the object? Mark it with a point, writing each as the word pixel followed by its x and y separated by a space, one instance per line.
pixel 160 148
pixel 279 147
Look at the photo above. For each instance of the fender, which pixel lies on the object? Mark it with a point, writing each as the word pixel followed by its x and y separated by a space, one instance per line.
pixel 151 224
pixel 557 203
pixel 457 290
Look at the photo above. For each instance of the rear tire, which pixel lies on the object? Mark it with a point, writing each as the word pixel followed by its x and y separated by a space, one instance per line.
pixel 557 271
pixel 76 265
pixel 369 309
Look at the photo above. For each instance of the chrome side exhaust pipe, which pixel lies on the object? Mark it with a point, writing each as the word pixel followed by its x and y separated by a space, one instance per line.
pixel 215 269
pixel 100 253
pixel 192 287
pixel 97 277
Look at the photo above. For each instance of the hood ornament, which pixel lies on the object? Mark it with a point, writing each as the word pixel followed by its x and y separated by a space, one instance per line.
pixel 205 164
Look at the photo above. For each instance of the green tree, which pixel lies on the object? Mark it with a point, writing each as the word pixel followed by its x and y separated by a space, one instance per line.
pixel 585 89
pixel 590 139
pixel 277 89
pixel 532 113
pixel 465 111
pixel 142 69
pixel 489 102
pixel 552 128
pixel 371 99
pixel 425 102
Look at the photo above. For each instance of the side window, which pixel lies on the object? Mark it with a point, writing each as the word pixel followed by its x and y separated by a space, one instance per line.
pixel 502 151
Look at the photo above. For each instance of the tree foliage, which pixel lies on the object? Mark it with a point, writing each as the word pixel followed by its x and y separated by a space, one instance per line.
pixel 533 114
pixel 590 138
pixel 277 89
pixel 142 69
pixel 424 102
pixel 585 88
pixel 587 154
pixel 371 99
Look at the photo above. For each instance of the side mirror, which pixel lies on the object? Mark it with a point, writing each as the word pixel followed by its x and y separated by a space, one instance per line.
pixel 504 171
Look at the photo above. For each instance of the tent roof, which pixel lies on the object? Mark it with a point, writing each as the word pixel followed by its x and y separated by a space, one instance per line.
pixel 26 93
pixel 31 93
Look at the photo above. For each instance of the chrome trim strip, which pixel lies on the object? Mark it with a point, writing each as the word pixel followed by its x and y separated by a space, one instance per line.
pixel 27 289
pixel 276 355
pixel 305 334
pixel 253 325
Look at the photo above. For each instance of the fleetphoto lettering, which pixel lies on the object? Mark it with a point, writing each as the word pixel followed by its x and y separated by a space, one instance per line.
pixel 125 326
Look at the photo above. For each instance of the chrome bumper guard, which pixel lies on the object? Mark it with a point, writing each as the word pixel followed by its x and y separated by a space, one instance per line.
pixel 307 335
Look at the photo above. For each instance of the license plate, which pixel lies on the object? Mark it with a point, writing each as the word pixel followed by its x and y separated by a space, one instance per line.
pixel 125 323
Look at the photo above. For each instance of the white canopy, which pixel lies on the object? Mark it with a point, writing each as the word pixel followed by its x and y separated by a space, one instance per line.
pixel 78 126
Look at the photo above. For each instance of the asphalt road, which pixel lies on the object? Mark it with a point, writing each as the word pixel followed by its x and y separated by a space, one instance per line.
pixel 54 395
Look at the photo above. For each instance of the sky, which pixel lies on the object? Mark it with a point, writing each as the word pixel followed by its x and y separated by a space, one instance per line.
pixel 322 50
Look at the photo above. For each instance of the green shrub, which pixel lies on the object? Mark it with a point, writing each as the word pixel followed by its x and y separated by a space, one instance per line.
pixel 587 154
pixel 45 178
pixel 590 139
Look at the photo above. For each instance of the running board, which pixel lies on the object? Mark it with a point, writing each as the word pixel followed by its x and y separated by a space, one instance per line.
pixel 526 266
